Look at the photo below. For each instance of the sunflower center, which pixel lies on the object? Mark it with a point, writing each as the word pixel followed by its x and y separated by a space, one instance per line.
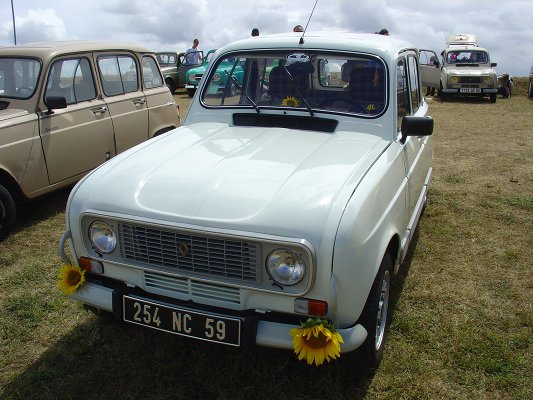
pixel 73 277
pixel 316 342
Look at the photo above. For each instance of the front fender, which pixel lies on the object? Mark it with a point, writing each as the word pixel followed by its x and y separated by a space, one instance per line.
pixel 375 214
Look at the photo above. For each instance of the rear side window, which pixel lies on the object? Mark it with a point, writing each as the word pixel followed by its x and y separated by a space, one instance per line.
pixel 151 75
pixel 72 79
pixel 119 74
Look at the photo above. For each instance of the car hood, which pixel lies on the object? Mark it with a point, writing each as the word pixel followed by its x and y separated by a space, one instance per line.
pixel 266 180
pixel 466 69
pixel 11 113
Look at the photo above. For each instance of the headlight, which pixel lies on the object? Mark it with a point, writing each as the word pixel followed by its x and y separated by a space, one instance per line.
pixel 102 237
pixel 487 79
pixel 285 267
pixel 192 78
pixel 454 79
pixel 216 77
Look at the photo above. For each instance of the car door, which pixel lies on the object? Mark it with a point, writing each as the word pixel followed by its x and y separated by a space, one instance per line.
pixel 417 159
pixel 429 68
pixel 183 67
pixel 162 111
pixel 120 77
pixel 79 137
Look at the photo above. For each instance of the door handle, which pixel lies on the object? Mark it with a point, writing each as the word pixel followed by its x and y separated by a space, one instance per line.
pixel 139 102
pixel 99 110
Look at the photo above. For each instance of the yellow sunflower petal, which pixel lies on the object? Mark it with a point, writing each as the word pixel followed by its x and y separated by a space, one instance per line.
pixel 71 277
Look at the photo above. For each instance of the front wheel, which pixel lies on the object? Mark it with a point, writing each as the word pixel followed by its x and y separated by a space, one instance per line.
pixel 375 316
pixel 530 89
pixel 190 92
pixel 493 97
pixel 7 212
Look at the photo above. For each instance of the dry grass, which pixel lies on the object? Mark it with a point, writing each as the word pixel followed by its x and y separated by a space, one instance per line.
pixel 461 329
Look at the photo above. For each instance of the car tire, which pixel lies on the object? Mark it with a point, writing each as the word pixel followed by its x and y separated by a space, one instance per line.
pixel 8 212
pixel 170 86
pixel 375 316
pixel 530 89
pixel 493 97
pixel 191 92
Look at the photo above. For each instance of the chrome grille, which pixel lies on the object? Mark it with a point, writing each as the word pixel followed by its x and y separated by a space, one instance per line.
pixel 183 252
pixel 470 79
pixel 168 285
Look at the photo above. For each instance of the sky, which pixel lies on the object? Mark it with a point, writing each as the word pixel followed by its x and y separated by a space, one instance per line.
pixel 502 27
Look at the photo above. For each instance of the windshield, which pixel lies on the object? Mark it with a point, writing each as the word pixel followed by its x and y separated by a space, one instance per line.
pixel 18 77
pixel 310 81
pixel 466 57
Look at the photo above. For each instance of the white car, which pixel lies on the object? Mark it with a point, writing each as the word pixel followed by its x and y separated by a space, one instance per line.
pixel 465 69
pixel 289 199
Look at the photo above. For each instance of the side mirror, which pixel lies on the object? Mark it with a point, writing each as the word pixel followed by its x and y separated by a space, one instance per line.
pixel 493 65
pixel 436 63
pixel 55 102
pixel 416 126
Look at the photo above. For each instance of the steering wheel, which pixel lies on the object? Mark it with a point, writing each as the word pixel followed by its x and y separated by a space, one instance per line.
pixel 352 104
pixel 24 91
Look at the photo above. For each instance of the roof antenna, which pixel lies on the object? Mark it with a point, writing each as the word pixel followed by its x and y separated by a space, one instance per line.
pixel 309 20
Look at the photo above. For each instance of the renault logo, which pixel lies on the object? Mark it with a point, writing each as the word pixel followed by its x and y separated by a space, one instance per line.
pixel 183 249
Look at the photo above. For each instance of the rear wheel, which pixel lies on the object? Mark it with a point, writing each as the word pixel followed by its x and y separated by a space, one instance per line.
pixel 170 85
pixel 7 212
pixel 375 317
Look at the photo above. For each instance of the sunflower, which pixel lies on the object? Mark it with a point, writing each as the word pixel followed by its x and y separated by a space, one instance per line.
pixel 71 277
pixel 290 101
pixel 316 341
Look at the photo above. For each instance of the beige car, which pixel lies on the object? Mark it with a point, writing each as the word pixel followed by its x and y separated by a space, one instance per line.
pixel 67 107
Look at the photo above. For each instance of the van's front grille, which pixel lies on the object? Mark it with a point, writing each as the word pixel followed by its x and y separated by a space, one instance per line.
pixel 177 251
pixel 470 79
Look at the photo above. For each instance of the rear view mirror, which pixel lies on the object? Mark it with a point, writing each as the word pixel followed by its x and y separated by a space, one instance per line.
pixel 416 126
pixel 55 102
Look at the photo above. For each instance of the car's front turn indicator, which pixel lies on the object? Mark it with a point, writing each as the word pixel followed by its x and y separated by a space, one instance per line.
pixel 102 237
pixel 285 267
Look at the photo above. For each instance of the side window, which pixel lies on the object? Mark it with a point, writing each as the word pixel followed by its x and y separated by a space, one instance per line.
pixel 402 91
pixel 414 82
pixel 71 79
pixel 119 74
pixel 151 76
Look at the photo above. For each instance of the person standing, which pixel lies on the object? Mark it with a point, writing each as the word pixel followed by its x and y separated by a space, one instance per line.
pixel 192 55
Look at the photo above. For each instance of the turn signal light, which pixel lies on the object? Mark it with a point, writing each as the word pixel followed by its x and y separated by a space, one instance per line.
pixel 91 265
pixel 317 308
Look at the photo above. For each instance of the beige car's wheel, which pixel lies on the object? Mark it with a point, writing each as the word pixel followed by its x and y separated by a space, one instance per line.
pixel 7 212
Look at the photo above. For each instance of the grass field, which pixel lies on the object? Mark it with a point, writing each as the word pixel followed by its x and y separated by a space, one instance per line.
pixel 462 322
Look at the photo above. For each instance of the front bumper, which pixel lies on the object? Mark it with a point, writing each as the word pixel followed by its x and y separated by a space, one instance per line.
pixel 458 91
pixel 267 333
pixel 189 86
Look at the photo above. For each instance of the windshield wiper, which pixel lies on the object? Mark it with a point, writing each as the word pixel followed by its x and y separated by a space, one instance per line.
pixel 293 82
pixel 255 106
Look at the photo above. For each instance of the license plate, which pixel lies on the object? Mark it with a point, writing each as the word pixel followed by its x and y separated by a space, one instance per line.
pixel 182 321
pixel 470 90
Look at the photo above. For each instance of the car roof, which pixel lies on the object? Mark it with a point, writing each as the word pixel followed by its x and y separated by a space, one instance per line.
pixel 48 50
pixel 342 41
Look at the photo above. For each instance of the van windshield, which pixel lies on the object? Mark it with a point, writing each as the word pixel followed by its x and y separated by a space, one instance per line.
pixel 307 81
pixel 18 77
